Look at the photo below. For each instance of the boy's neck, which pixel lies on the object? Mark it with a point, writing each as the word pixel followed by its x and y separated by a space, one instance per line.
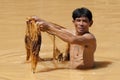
pixel 80 34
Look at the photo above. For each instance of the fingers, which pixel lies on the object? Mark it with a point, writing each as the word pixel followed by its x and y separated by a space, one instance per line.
pixel 39 23
pixel 31 18
pixel 35 18
pixel 42 26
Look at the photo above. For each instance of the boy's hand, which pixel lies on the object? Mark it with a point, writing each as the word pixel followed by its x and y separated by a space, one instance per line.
pixel 42 25
pixel 35 18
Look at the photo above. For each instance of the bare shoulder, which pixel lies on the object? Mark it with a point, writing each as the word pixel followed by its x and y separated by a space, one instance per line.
pixel 89 36
pixel 91 40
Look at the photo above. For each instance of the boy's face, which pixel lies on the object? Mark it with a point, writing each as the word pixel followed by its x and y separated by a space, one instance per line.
pixel 82 25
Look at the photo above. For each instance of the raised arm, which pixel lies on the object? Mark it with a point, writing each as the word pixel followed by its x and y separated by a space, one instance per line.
pixel 57 30
pixel 63 33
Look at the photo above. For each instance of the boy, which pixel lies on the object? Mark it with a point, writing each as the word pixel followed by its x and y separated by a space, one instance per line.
pixel 82 43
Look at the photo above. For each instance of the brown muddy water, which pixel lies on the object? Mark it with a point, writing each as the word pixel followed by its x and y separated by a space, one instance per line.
pixel 106 28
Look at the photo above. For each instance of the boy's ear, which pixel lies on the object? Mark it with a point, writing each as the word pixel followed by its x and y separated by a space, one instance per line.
pixel 91 22
pixel 73 21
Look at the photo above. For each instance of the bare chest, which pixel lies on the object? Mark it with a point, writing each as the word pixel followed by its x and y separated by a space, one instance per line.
pixel 76 51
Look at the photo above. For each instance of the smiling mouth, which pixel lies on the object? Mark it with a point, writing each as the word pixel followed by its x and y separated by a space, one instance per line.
pixel 81 29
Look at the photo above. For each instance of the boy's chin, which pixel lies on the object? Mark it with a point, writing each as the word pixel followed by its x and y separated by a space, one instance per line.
pixel 81 32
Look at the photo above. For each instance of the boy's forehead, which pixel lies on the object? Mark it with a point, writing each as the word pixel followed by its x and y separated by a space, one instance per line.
pixel 82 17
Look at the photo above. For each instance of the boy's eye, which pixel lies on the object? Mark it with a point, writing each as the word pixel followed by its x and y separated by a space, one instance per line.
pixel 84 20
pixel 78 20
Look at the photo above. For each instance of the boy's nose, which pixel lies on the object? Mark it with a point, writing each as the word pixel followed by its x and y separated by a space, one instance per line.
pixel 81 23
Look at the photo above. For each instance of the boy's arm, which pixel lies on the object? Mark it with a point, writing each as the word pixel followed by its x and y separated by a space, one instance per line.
pixel 63 33
pixel 66 35
pixel 59 31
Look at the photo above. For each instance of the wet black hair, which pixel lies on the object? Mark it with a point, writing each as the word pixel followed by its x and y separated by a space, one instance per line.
pixel 82 12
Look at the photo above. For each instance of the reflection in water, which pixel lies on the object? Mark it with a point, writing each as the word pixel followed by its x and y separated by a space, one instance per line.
pixel 102 64
pixel 52 65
